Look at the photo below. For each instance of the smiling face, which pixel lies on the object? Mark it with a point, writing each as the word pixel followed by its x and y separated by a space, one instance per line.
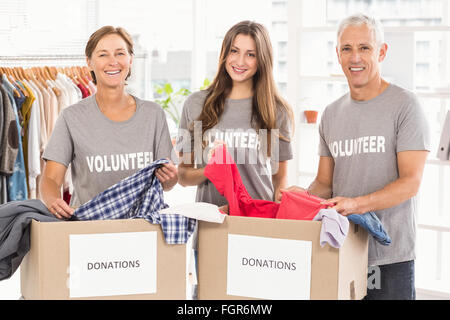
pixel 241 63
pixel 360 57
pixel 111 61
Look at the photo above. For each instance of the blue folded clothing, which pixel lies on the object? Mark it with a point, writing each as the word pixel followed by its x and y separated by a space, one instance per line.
pixel 373 225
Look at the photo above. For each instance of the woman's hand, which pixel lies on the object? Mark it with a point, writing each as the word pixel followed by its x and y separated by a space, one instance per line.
pixel 217 144
pixel 167 174
pixel 225 209
pixel 279 195
pixel 50 186
pixel 60 209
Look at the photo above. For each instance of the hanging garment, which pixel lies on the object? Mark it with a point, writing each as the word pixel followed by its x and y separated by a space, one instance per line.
pixel 224 174
pixel 33 144
pixel 334 228
pixel 138 196
pixel 52 112
pixel 92 87
pixel 299 206
pixel 15 220
pixel 17 183
pixel 84 91
pixel 373 225
pixel 19 100
pixel 9 142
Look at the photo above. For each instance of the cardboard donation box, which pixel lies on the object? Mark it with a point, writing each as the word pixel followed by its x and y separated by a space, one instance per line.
pixel 108 259
pixel 257 258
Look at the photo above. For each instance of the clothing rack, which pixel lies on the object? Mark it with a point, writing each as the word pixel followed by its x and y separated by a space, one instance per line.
pixel 54 57
pixel 32 61
pixel 43 57
pixel 28 79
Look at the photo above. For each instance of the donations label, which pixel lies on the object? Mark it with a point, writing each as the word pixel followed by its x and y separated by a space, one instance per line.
pixel 112 264
pixel 268 268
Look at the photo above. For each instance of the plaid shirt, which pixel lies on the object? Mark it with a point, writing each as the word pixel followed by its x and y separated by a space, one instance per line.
pixel 138 196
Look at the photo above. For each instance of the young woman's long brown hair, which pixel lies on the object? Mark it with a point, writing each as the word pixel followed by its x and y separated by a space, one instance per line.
pixel 267 102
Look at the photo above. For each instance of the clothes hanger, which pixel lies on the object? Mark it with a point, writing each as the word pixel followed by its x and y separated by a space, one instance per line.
pixel 43 79
pixel 16 74
pixel 55 89
pixel 30 76
pixel 74 75
pixel 46 73
pixel 52 72
pixel 10 75
pixel 3 72
pixel 81 78
pixel 23 73
pixel 13 79
pixel 86 73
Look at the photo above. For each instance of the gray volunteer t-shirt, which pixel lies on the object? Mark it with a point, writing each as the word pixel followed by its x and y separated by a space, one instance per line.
pixel 364 137
pixel 101 151
pixel 245 144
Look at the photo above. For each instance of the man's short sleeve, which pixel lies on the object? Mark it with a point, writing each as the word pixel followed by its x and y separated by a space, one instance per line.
pixel 412 128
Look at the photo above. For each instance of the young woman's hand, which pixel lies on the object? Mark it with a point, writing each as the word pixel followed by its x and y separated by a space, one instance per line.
pixel 290 189
pixel 225 209
pixel 217 144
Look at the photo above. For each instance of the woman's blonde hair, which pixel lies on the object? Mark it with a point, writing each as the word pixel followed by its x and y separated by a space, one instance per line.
pixel 95 38
pixel 267 102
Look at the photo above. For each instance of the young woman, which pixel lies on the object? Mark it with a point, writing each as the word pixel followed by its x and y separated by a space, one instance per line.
pixel 242 109
pixel 107 136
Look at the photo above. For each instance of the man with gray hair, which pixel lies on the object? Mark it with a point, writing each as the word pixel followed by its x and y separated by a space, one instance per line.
pixel 374 142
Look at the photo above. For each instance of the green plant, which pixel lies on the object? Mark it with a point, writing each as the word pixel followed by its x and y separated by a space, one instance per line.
pixel 171 100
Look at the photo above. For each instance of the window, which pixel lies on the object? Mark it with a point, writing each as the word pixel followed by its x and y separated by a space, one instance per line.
pixel 26 30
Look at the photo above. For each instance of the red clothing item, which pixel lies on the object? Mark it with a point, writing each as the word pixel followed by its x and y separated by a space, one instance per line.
pixel 224 174
pixel 299 206
pixel 67 196
pixel 84 92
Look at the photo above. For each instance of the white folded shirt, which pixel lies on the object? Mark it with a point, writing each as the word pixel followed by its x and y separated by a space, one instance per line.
pixel 197 210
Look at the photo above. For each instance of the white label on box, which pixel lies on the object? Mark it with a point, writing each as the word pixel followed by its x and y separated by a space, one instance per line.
pixel 269 268
pixel 112 264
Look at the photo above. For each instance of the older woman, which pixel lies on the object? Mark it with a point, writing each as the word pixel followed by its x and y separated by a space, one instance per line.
pixel 108 136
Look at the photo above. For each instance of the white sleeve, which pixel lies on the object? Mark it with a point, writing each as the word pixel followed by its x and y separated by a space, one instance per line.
pixel 34 153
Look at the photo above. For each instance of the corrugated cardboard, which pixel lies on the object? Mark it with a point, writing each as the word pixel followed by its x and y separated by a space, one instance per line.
pixel 335 273
pixel 44 270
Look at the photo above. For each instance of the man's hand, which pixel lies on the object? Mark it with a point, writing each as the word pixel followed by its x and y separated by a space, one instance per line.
pixel 344 206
